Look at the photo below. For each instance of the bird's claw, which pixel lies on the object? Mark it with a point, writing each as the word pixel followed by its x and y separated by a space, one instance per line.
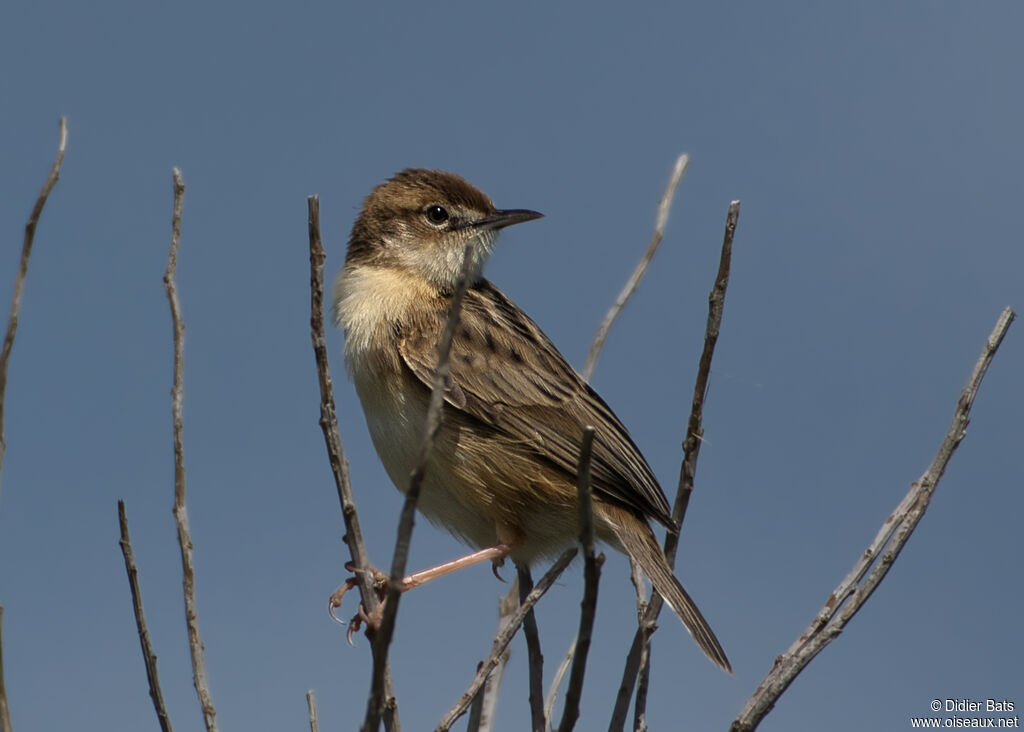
pixel 379 583
pixel 495 565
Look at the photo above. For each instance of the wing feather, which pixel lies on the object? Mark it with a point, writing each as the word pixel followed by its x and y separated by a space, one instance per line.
pixel 507 374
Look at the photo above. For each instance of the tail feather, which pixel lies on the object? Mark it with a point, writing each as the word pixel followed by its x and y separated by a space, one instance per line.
pixel 638 540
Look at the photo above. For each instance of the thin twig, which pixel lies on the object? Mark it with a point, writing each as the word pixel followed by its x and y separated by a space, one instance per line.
pixel 534 656
pixel 642 686
pixel 639 654
pixel 591 575
pixel 636 578
pixel 329 414
pixel 195 641
pixel 314 723
pixel 335 451
pixel 664 207
pixel 382 638
pixel 19 287
pixel 556 682
pixel 487 699
pixel 872 566
pixel 476 709
pixel 5 713
pixel 695 427
pixel 148 656
pixel 504 636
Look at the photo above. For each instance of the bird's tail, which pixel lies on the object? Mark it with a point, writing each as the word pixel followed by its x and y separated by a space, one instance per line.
pixel 638 540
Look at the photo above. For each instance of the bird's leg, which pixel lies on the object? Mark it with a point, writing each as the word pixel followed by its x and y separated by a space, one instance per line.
pixel 496 554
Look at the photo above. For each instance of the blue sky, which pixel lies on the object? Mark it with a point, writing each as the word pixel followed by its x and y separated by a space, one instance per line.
pixel 877 150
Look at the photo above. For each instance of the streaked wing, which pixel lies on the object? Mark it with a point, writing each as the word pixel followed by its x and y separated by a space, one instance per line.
pixel 507 374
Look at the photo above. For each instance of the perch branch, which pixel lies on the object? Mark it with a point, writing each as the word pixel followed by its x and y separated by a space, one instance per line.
pixel 382 638
pixel 335 451
pixel 872 566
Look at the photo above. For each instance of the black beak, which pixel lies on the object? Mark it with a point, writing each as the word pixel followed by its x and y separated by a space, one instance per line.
pixel 499 219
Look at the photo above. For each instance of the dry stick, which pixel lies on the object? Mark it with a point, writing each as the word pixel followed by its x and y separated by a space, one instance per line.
pixel 642 686
pixel 591 576
pixel 487 700
pixel 314 723
pixel 5 351
pixel 640 650
pixel 195 641
pixel 382 638
pixel 504 636
pixel 556 682
pixel 851 594
pixel 664 207
pixel 8 344
pixel 19 287
pixel 476 709
pixel 328 412
pixel 5 713
pixel 335 452
pixel 148 657
pixel 534 656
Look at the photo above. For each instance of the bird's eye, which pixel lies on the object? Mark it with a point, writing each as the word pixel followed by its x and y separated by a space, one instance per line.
pixel 436 215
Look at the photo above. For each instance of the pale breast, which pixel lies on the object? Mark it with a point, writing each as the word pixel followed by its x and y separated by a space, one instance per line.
pixel 369 304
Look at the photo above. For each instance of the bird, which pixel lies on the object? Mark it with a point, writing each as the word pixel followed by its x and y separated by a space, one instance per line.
pixel 502 472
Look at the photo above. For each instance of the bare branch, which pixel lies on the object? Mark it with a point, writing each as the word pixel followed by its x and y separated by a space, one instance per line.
pixel 534 656
pixel 328 411
pixel 642 685
pixel 195 641
pixel 556 682
pixel 664 207
pixel 5 713
pixel 19 287
pixel 695 427
pixel 476 709
pixel 314 723
pixel 591 576
pixel 487 700
pixel 872 566
pixel 148 656
pixel 382 638
pixel 503 637
pixel 360 563
pixel 639 654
